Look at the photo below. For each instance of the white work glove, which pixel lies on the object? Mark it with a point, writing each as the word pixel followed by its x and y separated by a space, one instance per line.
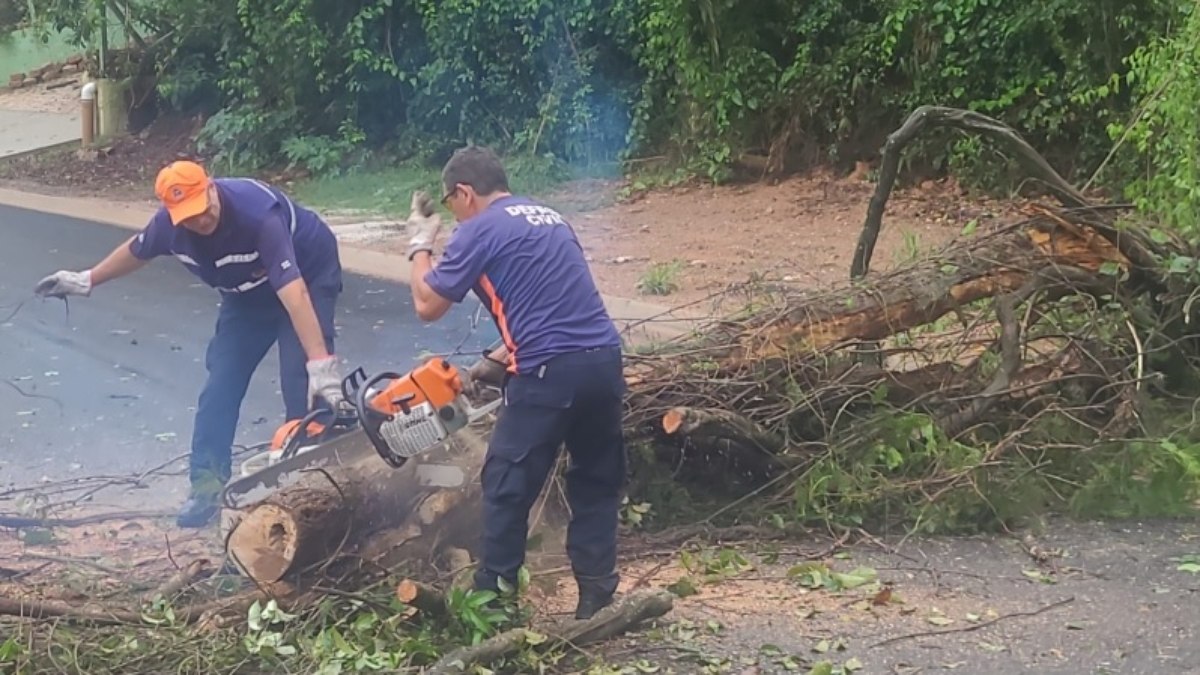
pixel 64 283
pixel 324 381
pixel 423 224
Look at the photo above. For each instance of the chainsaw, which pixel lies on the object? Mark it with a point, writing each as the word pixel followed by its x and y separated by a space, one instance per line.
pixel 401 417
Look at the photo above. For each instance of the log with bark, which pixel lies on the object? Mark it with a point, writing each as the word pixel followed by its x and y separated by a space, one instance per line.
pixel 367 511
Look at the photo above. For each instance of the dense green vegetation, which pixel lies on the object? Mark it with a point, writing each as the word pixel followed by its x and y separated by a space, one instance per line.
pixel 592 82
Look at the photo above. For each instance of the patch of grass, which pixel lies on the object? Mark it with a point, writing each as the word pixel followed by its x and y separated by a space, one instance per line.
pixel 22 51
pixel 386 189
pixel 383 191
pixel 910 249
pixel 661 278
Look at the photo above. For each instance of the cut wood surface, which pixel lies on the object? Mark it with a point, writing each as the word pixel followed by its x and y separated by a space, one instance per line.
pixel 427 599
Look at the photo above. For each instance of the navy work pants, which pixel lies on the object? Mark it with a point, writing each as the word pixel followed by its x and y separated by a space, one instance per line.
pixel 247 326
pixel 576 399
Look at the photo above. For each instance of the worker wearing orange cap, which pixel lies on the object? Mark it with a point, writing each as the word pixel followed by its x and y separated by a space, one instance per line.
pixel 277 268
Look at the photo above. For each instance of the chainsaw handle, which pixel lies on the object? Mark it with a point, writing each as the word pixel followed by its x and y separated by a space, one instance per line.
pixel 371 419
pixel 301 436
pixel 352 383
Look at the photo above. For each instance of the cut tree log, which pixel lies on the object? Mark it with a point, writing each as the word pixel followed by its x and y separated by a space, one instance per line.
pixel 426 599
pixel 366 509
pixel 626 614
pixel 295 528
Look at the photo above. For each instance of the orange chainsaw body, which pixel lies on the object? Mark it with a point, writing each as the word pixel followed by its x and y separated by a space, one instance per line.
pixel 436 381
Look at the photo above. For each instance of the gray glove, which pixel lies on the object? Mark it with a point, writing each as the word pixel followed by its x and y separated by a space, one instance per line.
pixel 324 381
pixel 423 224
pixel 64 283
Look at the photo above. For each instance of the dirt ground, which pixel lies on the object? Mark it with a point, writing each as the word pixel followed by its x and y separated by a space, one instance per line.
pixel 1080 598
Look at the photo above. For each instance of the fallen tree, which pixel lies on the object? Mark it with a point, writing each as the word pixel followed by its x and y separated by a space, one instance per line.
pixel 967 347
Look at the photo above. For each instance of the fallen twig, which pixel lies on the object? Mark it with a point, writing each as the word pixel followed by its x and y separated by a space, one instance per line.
pixel 46 609
pixel 108 616
pixel 20 521
pixel 974 627
pixel 82 562
pixel 184 577
pixel 7 574
pixel 607 623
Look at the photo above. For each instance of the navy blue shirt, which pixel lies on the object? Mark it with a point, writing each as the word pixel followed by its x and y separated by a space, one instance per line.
pixel 263 238
pixel 526 265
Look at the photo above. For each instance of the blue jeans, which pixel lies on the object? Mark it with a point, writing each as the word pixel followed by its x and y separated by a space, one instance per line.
pixel 576 399
pixel 247 326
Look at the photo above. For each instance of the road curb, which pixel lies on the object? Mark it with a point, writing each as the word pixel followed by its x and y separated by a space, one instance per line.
pixel 641 321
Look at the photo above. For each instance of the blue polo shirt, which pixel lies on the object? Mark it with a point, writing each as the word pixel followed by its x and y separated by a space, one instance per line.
pixel 263 242
pixel 526 265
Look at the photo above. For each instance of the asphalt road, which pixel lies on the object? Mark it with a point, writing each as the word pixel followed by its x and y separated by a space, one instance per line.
pixel 126 365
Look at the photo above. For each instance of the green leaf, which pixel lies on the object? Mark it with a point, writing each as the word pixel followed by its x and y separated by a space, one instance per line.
pixel 365 622
pixel 970 227
pixel 481 598
pixel 254 620
pixel 1182 264
pixel 852 665
pixel 10 650
pixel 854 579
pixel 683 588
pixel 1110 269
pixel 1190 567
pixel 822 668
pixel 769 648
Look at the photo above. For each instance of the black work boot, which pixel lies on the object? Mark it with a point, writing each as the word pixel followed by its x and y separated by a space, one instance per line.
pixel 595 593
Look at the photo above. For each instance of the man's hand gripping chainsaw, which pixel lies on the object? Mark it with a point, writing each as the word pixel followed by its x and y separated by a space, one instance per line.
pixel 402 415
pixel 417 411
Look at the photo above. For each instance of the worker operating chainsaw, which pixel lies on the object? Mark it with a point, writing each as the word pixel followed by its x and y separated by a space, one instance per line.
pixel 564 380
pixel 277 269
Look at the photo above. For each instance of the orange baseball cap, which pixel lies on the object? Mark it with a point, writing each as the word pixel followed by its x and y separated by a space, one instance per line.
pixel 182 187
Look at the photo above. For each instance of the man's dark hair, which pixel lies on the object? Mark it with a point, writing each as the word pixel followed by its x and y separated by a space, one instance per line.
pixel 478 167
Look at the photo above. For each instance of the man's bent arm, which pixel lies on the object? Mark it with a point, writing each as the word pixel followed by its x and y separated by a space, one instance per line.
pixel 118 263
pixel 298 303
pixel 429 305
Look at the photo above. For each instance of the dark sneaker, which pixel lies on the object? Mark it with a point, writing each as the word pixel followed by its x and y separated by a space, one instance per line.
pixel 196 512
